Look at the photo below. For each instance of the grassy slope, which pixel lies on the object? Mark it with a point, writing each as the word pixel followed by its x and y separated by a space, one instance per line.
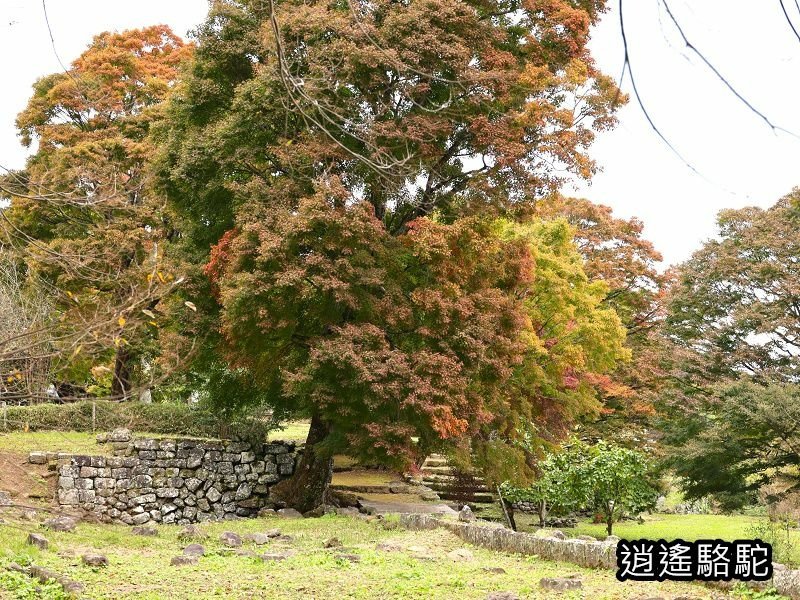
pixel 139 567
pixel 81 442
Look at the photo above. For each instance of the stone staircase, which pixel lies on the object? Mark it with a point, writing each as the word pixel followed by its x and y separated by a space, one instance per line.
pixel 438 475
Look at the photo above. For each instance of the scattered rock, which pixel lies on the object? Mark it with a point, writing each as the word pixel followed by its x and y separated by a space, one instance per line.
pixel 494 570
pixel 465 515
pixel 430 496
pixel 460 555
pixel 259 539
pixel 34 539
pixel 289 513
pixel 502 596
pixel 192 532
pixel 611 539
pixel 561 584
pixel 559 535
pixel 332 543
pixel 267 512
pixel 94 560
pixel 72 587
pixel 389 547
pixel 37 458
pixel 194 550
pixel 5 499
pixel 274 556
pixel 63 524
pixel 283 538
pixel 230 539
pixel 315 513
pixel 350 511
pixel 145 531
pixel 180 561
pixel 399 487
pixel 353 558
pixel 120 435
pixel 273 533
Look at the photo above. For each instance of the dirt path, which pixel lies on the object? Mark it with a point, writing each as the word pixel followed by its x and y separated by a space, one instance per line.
pixel 24 482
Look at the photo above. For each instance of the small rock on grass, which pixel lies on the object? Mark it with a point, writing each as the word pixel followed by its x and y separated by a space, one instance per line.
pixel 389 546
pixel 230 539
pixel 192 532
pixel 502 596
pixel 194 550
pixel 259 539
pixel 332 543
pixel 34 539
pixel 145 531
pixel 94 560
pixel 460 555
pixel 180 561
pixel 561 584
pixel 353 558
pixel 63 524
pixel 274 556
pixel 289 513
pixel 273 533
pixel 494 570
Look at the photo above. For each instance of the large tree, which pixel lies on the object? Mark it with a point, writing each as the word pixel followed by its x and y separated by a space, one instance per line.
pixel 616 253
pixel 348 162
pixel 733 329
pixel 80 216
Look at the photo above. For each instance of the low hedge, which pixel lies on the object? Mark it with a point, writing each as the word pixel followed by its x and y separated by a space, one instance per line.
pixel 167 418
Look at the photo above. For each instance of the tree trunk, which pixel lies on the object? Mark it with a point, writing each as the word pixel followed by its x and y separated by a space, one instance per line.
pixel 121 385
pixel 543 513
pixel 305 490
pixel 609 522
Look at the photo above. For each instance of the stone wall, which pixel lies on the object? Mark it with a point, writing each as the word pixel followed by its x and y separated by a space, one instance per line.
pixel 174 480
pixel 586 553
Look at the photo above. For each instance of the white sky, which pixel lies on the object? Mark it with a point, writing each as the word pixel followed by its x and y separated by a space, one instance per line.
pixel 740 160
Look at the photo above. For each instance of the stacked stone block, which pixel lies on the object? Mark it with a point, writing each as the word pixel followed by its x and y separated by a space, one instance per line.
pixel 175 480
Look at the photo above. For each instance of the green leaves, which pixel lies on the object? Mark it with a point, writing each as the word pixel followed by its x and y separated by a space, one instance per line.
pixel 607 479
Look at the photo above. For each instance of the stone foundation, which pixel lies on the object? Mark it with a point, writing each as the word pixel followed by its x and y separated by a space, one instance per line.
pixel 174 480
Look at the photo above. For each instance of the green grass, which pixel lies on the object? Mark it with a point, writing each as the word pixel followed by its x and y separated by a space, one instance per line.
pixel 672 527
pixel 82 442
pixel 139 567
pixel 75 442
pixel 294 431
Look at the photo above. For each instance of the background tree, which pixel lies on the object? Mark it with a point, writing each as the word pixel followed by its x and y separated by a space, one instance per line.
pixel 733 327
pixel 80 215
pixel 617 481
pixel 616 253
pixel 346 162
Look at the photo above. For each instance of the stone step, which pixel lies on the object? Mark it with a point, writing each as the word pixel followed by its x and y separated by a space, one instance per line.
pixel 445 486
pixel 434 462
pixel 437 470
pixel 480 497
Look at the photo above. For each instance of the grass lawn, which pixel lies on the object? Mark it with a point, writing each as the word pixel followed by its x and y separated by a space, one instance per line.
pixel 76 442
pixel 419 568
pixel 83 442
pixel 295 431
pixel 672 527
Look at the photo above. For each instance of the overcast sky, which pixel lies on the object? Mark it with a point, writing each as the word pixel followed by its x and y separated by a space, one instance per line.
pixel 739 160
